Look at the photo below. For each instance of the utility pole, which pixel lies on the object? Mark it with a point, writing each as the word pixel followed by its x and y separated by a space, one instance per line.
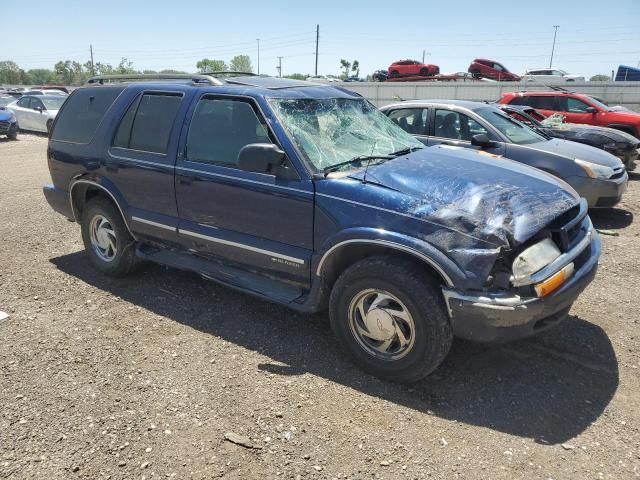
pixel 258 40
pixel 555 32
pixel 423 53
pixel 93 71
pixel 317 40
pixel 279 67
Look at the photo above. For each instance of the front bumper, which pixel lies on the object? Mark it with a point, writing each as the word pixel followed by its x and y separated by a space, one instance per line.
pixel 58 200
pixel 600 193
pixel 496 318
pixel 8 128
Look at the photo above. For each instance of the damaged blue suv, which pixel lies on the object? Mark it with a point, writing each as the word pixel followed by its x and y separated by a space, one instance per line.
pixel 308 196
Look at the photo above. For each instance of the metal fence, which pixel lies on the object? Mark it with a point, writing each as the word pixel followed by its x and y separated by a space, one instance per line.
pixel 626 94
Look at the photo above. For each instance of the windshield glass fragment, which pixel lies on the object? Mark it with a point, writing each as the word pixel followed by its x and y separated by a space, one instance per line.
pixel 333 131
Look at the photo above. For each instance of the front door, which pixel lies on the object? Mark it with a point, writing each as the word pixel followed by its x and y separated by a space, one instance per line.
pixel 256 220
pixel 450 127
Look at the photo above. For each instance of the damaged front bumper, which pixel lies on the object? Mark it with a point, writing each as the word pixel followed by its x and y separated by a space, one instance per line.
pixel 501 317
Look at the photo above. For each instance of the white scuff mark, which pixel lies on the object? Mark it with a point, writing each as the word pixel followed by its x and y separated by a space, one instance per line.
pixel 3 316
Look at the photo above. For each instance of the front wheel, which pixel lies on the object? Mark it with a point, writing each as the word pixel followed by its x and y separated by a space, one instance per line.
pixel 390 317
pixel 394 74
pixel 49 124
pixel 108 243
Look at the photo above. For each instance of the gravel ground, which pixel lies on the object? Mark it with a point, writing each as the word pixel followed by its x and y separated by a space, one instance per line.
pixel 144 377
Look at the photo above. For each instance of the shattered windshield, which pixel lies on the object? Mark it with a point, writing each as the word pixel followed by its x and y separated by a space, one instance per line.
pixel 333 131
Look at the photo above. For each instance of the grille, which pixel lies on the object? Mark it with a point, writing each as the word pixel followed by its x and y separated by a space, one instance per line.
pixel 617 173
pixel 566 229
pixel 4 126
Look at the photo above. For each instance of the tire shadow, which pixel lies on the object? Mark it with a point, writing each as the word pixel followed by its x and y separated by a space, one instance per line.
pixel 549 388
pixel 610 218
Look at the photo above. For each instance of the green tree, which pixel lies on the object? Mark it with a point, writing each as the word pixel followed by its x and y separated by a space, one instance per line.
pixel 600 78
pixel 10 73
pixel 103 69
pixel 241 63
pixel 346 65
pixel 206 65
pixel 296 76
pixel 64 72
pixel 174 72
pixel 125 67
pixel 41 76
pixel 149 72
pixel 355 67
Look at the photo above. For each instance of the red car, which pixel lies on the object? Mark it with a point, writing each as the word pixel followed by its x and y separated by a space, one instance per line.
pixel 576 108
pixel 405 68
pixel 483 68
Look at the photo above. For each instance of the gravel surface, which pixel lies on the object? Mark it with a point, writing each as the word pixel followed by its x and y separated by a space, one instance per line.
pixel 165 375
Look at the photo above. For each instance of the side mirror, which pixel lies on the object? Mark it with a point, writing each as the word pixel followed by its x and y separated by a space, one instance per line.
pixel 592 110
pixel 483 141
pixel 39 109
pixel 264 158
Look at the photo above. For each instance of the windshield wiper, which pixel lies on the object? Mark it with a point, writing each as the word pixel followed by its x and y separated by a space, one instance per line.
pixel 404 151
pixel 358 159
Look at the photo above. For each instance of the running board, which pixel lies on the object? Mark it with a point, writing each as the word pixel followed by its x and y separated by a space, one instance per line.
pixel 237 278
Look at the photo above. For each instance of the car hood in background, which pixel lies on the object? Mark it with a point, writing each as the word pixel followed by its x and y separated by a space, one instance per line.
pixel 496 200
pixel 571 131
pixel 575 150
pixel 5 115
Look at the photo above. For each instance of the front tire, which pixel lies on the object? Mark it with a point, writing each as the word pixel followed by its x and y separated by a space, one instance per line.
pixel 394 74
pixel 107 241
pixel 389 316
pixel 49 124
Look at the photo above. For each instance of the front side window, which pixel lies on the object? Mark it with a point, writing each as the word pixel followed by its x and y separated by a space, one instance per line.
pixel 147 124
pixel 411 120
pixel 515 131
pixel 457 126
pixel 332 131
pixel 220 128
pixel 576 106
pixel 36 104
pixel 24 102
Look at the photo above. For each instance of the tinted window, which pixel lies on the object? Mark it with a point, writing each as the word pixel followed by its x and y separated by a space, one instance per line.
pixel 82 112
pixel 148 129
pixel 545 102
pixel 576 106
pixel 412 120
pixel 457 126
pixel 220 128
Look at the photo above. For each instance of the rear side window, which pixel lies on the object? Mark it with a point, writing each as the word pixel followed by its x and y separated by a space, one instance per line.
pixel 147 124
pixel 542 102
pixel 220 128
pixel 82 113
pixel 411 120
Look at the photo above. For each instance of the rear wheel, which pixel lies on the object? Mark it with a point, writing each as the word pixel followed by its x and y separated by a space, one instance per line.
pixel 389 316
pixel 108 243
pixel 49 123
pixel 424 72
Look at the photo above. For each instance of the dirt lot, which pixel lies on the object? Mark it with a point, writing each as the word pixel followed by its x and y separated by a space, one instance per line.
pixel 142 377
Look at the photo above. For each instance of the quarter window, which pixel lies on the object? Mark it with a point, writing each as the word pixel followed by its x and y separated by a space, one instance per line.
pixel 411 120
pixel 220 128
pixel 457 126
pixel 147 124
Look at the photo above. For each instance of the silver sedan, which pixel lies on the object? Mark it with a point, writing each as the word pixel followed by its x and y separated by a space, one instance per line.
pixel 36 113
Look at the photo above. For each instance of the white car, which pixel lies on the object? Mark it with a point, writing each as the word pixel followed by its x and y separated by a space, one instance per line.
pixel 36 113
pixel 549 75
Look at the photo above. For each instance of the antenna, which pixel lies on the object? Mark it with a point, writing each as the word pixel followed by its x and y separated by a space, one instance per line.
pixel 366 169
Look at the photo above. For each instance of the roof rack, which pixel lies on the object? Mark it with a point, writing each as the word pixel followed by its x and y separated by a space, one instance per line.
pixel 195 78
pixel 230 73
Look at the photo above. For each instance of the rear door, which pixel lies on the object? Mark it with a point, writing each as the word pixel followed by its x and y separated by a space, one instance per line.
pixel 255 220
pixel 22 111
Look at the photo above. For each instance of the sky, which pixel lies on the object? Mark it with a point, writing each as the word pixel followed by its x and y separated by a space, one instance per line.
pixel 593 36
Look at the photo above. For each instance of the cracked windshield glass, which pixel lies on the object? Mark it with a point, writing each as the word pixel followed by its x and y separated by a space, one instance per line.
pixel 335 131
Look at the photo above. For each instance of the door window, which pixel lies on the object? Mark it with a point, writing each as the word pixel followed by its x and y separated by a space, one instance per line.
pixel 411 120
pixel 24 102
pixel 576 106
pixel 149 128
pixel 220 128
pixel 37 103
pixel 457 126
pixel 543 102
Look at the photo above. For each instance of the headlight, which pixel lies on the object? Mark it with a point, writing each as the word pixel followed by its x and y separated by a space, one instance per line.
pixel 534 259
pixel 594 170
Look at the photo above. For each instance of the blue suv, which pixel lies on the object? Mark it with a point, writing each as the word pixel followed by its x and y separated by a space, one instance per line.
pixel 309 196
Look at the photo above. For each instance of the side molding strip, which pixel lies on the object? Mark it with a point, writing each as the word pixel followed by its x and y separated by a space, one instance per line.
pixel 154 224
pixel 393 245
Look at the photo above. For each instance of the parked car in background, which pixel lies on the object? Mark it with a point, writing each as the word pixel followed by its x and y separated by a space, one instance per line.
pixel 576 108
pixel 380 75
pixel 548 75
pixel 616 142
pixel 308 196
pixel 406 68
pixel 483 68
pixel 323 79
pixel 39 91
pixel 36 113
pixel 52 87
pixel 8 122
pixel 596 175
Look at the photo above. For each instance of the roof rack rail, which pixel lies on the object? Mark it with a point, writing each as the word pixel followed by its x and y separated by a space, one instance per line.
pixel 231 73
pixel 559 88
pixel 195 78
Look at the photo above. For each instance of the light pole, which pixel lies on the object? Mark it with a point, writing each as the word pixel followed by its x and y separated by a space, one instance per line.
pixel 424 52
pixel 258 40
pixel 279 67
pixel 555 32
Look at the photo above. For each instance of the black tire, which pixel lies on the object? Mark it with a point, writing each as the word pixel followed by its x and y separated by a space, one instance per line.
pixel 49 123
pixel 475 73
pixel 424 72
pixel 421 296
pixel 394 74
pixel 124 259
pixel 13 136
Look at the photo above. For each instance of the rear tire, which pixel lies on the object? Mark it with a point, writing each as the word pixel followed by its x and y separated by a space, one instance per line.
pixel 107 241
pixel 424 72
pixel 49 124
pixel 390 317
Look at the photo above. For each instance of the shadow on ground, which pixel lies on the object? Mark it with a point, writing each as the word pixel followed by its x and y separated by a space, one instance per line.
pixel 634 175
pixel 611 218
pixel 549 388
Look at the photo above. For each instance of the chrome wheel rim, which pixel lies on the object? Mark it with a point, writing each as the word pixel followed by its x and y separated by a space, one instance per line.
pixel 103 238
pixel 381 324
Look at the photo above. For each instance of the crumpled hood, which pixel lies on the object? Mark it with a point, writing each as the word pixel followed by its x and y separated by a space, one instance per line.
pixel 490 198
pixel 574 150
pixel 5 115
pixel 578 130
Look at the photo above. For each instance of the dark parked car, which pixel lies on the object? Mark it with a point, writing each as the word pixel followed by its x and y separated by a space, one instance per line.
pixel 621 144
pixel 596 175
pixel 380 75
pixel 483 68
pixel 307 195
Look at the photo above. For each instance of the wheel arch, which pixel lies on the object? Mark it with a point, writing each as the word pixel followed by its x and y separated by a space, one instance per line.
pixel 625 127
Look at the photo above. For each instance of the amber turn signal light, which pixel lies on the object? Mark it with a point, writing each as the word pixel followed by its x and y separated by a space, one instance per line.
pixel 554 282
